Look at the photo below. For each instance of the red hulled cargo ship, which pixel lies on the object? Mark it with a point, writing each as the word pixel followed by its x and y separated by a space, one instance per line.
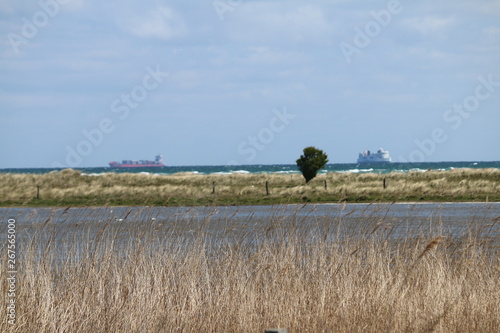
pixel 158 162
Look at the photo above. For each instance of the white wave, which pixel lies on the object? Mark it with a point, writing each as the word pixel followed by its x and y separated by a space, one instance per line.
pixel 186 173
pixel 241 171
pixel 231 172
pixel 356 170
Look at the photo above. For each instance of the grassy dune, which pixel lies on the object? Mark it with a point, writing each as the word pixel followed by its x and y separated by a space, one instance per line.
pixel 70 187
pixel 170 277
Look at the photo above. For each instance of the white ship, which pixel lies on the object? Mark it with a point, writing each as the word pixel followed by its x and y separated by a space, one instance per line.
pixel 381 156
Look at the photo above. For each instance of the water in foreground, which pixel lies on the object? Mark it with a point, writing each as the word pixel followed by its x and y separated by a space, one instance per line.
pixel 402 219
pixel 318 268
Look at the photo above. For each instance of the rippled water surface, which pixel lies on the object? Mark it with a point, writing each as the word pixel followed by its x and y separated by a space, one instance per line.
pixel 454 219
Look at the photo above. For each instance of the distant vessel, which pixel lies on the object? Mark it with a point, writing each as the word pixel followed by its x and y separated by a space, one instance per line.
pixel 158 162
pixel 381 156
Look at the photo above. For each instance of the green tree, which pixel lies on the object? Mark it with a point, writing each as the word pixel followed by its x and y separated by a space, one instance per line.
pixel 311 162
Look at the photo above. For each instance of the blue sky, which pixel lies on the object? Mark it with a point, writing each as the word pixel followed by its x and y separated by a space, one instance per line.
pixel 222 82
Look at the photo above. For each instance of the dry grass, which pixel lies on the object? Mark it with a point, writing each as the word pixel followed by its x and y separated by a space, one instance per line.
pixel 70 187
pixel 181 276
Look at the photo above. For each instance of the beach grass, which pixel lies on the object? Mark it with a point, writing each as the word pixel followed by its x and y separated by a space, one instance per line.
pixel 179 275
pixel 71 187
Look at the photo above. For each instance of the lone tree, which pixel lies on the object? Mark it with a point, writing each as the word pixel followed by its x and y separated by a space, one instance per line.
pixel 311 162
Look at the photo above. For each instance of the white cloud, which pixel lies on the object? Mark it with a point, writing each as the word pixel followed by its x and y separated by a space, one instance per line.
pixel 491 7
pixel 74 5
pixel 162 23
pixel 295 24
pixel 492 32
pixel 429 24
pixel 6 7
pixel 28 8
pixel 263 55
pixel 429 53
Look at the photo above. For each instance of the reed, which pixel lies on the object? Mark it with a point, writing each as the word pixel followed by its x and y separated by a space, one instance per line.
pixel 431 245
pixel 70 187
pixel 182 275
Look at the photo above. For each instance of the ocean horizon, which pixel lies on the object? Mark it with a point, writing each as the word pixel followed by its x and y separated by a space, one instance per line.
pixel 384 168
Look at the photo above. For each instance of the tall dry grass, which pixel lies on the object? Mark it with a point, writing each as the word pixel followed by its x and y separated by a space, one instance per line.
pixel 180 275
pixel 70 187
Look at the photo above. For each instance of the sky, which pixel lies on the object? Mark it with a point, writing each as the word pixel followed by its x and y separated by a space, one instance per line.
pixel 228 82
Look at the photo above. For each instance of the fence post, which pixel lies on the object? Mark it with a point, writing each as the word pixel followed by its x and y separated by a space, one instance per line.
pixel 38 191
pixel 267 187
pixel 343 194
pixel 384 184
pixel 213 188
pixel 325 184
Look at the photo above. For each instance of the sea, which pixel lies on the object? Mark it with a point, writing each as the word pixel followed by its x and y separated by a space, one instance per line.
pixel 275 168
